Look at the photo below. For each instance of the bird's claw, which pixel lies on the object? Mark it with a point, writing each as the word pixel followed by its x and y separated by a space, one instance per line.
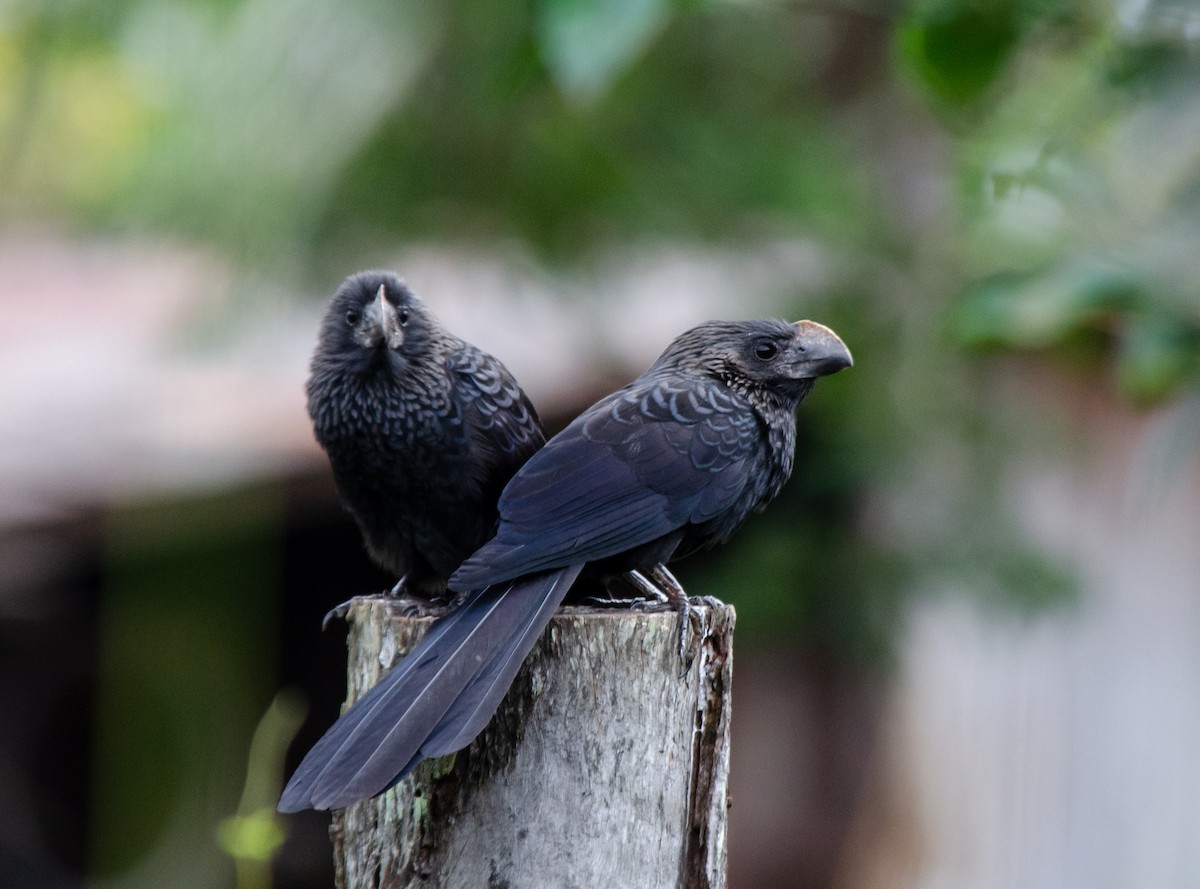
pixel 338 612
pixel 687 654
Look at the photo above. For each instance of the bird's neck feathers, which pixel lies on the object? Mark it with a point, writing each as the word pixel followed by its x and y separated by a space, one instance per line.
pixel 775 406
pixel 764 396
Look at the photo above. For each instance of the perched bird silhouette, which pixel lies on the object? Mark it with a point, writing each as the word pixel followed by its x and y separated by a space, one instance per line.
pixel 670 464
pixel 422 429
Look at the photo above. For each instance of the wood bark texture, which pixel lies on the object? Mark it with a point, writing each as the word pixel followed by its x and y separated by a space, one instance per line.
pixel 606 764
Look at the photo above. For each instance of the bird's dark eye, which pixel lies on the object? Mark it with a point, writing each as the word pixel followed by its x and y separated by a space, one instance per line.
pixel 765 350
pixel 352 317
pixel 403 317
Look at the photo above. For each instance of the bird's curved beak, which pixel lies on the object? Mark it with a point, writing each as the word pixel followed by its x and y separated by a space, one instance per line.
pixel 824 352
pixel 390 330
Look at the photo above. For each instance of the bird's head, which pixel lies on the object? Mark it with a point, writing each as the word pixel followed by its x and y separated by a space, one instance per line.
pixel 372 312
pixel 767 354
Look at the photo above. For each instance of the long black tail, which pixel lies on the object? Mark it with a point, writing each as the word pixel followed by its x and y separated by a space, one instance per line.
pixel 436 700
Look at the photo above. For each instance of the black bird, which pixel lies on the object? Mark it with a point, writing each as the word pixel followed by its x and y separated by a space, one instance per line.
pixel 670 464
pixel 422 429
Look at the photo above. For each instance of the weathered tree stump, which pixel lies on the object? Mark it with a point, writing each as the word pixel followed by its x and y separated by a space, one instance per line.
pixel 603 767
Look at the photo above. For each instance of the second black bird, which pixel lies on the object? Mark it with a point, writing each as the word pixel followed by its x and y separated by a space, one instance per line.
pixel 670 464
pixel 422 429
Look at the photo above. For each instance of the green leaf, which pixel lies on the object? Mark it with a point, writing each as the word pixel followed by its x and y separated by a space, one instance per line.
pixel 1039 309
pixel 588 43
pixel 958 49
pixel 253 837
pixel 1157 353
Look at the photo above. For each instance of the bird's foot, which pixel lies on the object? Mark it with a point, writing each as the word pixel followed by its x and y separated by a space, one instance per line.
pixel 633 603
pixel 617 589
pixel 663 582
pixel 650 596
pixel 408 599
pixel 431 600
pixel 438 606
pixel 656 589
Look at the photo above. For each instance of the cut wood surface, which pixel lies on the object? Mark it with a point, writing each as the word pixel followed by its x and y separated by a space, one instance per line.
pixel 606 764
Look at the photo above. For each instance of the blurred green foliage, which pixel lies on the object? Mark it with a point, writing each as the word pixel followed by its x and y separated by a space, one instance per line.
pixel 1079 169
pixel 253 837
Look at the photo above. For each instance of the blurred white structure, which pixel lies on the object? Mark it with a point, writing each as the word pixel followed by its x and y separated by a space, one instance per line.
pixel 1059 750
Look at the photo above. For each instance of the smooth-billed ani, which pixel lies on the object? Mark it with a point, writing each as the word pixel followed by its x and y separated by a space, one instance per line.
pixel 422 429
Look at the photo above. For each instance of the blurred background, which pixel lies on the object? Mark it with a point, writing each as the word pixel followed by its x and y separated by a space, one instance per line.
pixel 968 646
